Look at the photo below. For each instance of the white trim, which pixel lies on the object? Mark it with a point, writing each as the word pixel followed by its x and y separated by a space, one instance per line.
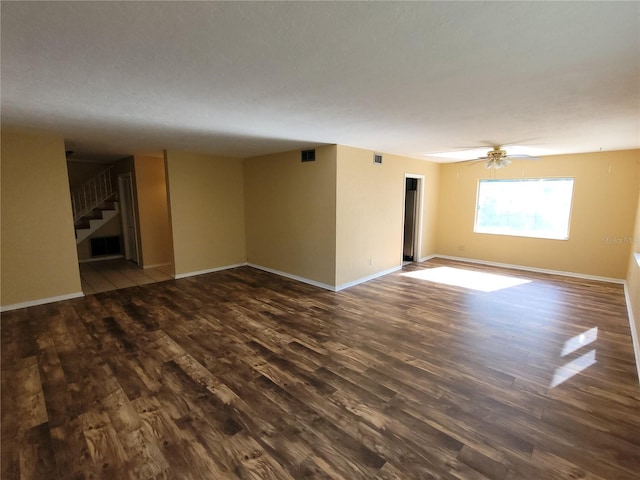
pixel 41 301
pixel 325 286
pixel 208 270
pixel 135 256
pixel 368 278
pixel 534 269
pixel 428 257
pixel 308 281
pixel 293 277
pixel 635 335
pixel 156 265
pixel 100 259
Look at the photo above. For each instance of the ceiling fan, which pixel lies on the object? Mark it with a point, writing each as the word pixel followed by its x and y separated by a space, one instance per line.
pixel 497 157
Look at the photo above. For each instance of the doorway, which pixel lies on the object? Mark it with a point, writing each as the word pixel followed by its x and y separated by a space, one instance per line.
pixel 412 224
pixel 129 230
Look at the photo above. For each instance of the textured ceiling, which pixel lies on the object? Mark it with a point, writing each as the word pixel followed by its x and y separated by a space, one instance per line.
pixel 244 79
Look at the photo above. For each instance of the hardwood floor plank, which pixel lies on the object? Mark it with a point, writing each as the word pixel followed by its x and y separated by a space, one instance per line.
pixel 483 464
pixel 241 374
pixel 37 459
pixel 102 441
pixel 9 428
pixel 30 402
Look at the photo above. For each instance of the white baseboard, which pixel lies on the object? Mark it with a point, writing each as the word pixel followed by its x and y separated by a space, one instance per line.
pixel 326 286
pixel 100 259
pixel 635 335
pixel 156 265
pixel 367 278
pixel 208 270
pixel 428 257
pixel 293 277
pixel 533 269
pixel 41 301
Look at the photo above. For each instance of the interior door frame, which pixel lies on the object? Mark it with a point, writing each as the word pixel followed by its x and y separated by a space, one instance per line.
pixel 123 213
pixel 417 239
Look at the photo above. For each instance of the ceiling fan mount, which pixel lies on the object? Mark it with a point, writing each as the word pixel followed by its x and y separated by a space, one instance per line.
pixel 498 157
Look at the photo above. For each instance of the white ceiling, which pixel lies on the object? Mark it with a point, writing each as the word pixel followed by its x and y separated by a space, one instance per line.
pixel 244 78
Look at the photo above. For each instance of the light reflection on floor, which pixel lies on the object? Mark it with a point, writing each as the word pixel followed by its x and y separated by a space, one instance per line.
pixel 568 370
pixel 573 367
pixel 491 282
pixel 580 341
pixel 482 281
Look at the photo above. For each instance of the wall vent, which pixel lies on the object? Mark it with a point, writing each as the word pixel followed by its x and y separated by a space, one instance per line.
pixel 308 156
pixel 105 246
pixel 377 158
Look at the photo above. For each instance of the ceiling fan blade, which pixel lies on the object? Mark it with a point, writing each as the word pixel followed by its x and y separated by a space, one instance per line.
pixel 474 147
pixel 470 163
pixel 521 142
pixel 489 143
pixel 524 157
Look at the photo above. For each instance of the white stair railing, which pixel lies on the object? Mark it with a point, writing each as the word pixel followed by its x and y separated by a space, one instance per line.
pixel 92 194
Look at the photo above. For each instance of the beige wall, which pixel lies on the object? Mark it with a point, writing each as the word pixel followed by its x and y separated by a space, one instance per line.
pixel 370 205
pixel 39 258
pixel 206 197
pixel 633 284
pixel 605 189
pixel 291 212
pixel 153 211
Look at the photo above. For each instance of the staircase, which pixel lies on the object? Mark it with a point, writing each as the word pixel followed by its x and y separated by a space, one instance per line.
pixel 94 204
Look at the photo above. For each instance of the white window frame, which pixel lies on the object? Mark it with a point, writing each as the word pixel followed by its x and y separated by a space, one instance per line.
pixel 522 233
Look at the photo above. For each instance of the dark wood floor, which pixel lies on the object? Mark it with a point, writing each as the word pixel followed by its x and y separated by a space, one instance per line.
pixel 245 375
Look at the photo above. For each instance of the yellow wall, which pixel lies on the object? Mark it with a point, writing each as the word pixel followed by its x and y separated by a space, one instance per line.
pixel 39 258
pixel 370 205
pixel 291 212
pixel 605 189
pixel 633 284
pixel 153 211
pixel 206 197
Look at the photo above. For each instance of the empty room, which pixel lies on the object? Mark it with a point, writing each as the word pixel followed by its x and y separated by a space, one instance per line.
pixel 320 240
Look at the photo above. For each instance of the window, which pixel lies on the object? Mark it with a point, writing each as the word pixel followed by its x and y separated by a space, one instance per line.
pixel 537 208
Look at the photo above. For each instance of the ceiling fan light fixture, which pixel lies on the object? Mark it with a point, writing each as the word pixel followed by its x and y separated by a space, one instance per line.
pixel 497 158
pixel 498 162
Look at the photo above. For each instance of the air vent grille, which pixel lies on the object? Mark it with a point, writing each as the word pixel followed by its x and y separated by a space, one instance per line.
pixel 308 156
pixel 377 158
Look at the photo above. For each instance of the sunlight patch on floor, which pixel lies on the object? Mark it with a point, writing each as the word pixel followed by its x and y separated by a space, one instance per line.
pixel 580 341
pixel 458 277
pixel 569 369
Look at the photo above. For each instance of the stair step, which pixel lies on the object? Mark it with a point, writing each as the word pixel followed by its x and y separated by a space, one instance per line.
pixel 88 224
pixel 97 213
